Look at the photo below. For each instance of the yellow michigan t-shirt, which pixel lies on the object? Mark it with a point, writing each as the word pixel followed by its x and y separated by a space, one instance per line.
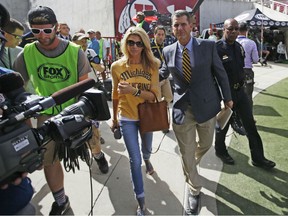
pixel 138 78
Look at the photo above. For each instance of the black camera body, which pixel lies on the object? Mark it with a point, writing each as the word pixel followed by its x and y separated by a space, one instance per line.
pixel 22 148
pixel 19 152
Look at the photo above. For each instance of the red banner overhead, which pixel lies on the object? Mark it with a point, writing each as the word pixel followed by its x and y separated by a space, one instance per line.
pixel 125 11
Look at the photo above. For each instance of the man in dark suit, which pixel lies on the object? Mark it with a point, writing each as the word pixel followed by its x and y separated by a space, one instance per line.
pixel 13 32
pixel 64 31
pixel 232 55
pixel 196 100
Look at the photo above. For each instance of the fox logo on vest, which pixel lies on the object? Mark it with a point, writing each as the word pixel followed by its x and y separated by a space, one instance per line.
pixel 53 73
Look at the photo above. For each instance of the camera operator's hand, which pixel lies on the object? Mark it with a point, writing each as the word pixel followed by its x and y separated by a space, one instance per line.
pixel 17 181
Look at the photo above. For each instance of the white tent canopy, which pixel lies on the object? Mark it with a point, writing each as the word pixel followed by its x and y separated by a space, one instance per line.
pixel 275 15
pixel 255 17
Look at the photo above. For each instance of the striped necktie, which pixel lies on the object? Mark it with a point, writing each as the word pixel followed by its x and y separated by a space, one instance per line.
pixel 186 65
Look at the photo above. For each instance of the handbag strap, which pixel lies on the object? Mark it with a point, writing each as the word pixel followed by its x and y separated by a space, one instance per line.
pixel 150 152
pixel 169 118
pixel 155 96
pixel 157 101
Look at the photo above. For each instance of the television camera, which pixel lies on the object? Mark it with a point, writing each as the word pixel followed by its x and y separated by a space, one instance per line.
pixel 157 18
pixel 22 147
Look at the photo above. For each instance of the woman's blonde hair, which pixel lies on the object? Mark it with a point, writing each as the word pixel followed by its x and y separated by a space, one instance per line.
pixel 148 60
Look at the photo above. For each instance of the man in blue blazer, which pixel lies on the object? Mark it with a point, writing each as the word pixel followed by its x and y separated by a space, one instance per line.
pixel 195 102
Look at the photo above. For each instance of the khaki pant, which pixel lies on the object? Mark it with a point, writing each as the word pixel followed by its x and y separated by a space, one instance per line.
pixel 166 91
pixel 94 142
pixel 192 149
pixel 50 147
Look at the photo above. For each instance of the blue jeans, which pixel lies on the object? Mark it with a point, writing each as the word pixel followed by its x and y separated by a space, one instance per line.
pixel 129 131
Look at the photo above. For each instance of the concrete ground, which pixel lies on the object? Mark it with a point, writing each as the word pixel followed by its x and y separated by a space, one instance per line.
pixel 112 194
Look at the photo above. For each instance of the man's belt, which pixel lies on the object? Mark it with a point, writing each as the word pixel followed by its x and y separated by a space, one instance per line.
pixel 237 86
pixel 248 81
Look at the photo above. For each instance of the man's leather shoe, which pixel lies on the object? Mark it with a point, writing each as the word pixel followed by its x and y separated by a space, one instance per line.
pixel 226 158
pixel 266 164
pixel 193 203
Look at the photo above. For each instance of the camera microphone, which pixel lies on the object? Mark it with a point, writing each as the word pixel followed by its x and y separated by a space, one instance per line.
pixel 11 84
pixel 72 91
pixel 12 88
pixel 58 98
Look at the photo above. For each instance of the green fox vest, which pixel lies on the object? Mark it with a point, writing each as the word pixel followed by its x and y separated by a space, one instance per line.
pixel 50 74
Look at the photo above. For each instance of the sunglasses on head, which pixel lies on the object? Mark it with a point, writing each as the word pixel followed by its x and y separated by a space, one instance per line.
pixel 44 30
pixel 132 43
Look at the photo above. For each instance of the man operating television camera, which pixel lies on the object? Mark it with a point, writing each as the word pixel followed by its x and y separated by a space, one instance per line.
pixel 22 147
pixel 61 64
pixel 51 64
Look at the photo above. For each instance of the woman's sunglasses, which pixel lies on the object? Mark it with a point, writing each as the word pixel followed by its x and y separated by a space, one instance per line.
pixel 44 30
pixel 132 43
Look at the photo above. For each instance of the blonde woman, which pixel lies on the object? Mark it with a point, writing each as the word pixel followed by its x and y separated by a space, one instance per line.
pixel 134 76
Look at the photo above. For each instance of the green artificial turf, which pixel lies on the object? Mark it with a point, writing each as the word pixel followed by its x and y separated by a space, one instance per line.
pixel 247 190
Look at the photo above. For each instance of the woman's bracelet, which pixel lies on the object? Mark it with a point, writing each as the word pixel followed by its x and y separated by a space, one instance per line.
pixel 136 90
pixel 138 93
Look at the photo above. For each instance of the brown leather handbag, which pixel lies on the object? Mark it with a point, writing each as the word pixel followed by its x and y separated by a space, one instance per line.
pixel 153 116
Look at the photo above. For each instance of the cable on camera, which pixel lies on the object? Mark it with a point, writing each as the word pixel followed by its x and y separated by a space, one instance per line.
pixel 70 155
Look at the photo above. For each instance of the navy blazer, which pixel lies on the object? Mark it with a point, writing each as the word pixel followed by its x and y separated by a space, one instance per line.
pixel 204 95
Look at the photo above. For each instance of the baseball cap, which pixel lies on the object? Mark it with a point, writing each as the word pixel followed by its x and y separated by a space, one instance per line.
pixel 41 15
pixel 91 31
pixel 79 36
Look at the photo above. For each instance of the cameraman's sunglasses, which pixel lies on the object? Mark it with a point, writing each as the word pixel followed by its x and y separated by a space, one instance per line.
pixel 132 43
pixel 44 30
